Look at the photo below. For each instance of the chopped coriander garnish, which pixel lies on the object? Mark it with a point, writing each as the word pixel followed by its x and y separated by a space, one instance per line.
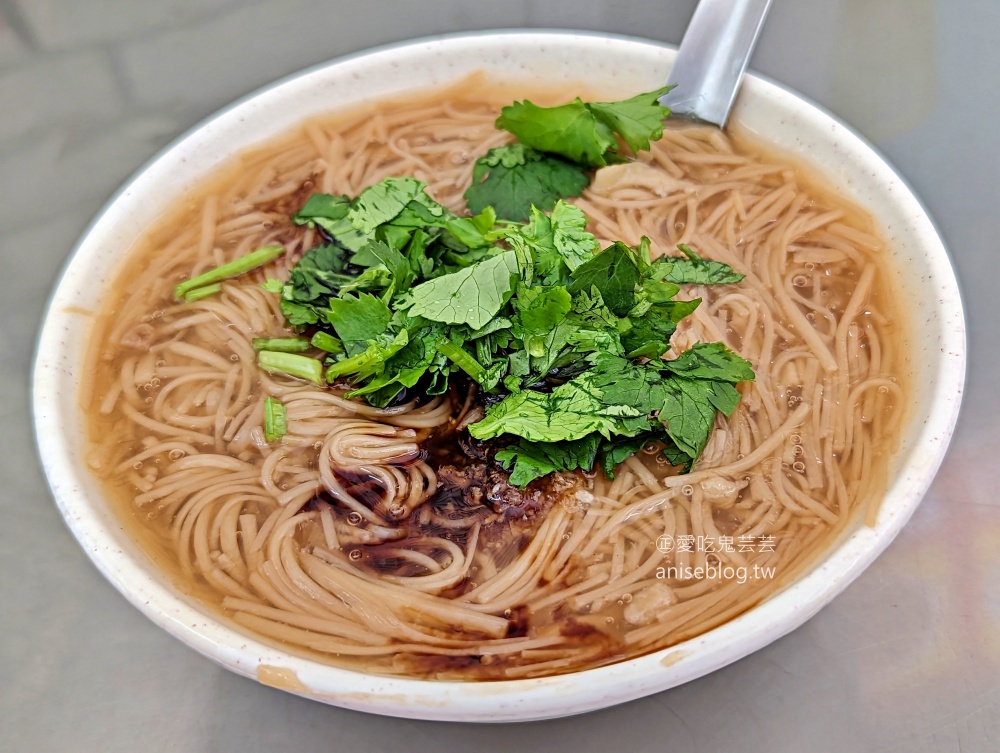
pixel 558 145
pixel 472 295
pixel 275 421
pixel 357 320
pixel 369 362
pixel 291 364
pixel 567 339
pixel 231 269
pixel 585 132
pixel 530 460
pixel 281 344
pixel 514 178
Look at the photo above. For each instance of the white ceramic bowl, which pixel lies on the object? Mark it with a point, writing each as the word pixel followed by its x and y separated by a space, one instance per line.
pixel 923 275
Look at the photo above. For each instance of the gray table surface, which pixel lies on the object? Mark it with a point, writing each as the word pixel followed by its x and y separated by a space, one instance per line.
pixel 907 659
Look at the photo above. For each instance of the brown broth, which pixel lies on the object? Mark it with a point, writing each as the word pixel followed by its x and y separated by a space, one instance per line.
pixel 583 633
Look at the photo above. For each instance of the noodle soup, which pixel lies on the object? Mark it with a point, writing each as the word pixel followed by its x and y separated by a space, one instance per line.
pixel 381 539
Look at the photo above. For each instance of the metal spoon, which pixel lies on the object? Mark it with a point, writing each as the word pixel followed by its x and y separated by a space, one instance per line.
pixel 712 58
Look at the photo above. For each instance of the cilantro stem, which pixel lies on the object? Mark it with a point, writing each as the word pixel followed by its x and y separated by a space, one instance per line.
pixel 229 270
pixel 203 292
pixel 281 344
pixel 327 342
pixel 350 365
pixel 463 360
pixel 688 252
pixel 275 419
pixel 364 364
pixel 483 351
pixel 291 364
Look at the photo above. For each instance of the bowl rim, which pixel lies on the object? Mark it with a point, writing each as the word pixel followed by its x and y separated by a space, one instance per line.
pixel 503 700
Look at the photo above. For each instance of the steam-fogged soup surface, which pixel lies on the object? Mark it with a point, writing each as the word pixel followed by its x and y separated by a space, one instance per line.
pixel 386 540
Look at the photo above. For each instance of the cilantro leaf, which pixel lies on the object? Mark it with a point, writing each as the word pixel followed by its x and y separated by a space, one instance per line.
pixel 570 130
pixel 711 361
pixel 526 462
pixel 558 244
pixel 514 178
pixel 377 279
pixel 614 273
pixel 378 253
pixel 330 214
pixel 530 460
pixel 540 309
pixel 575 244
pixel 585 132
pixel 547 351
pixel 322 209
pixel 299 315
pixel 496 324
pixel 625 383
pixel 614 452
pixel 382 202
pixel 321 272
pixel 589 327
pixel 474 232
pixel 693 269
pixel 358 320
pixel 402 370
pixel 368 363
pixel 618 399
pixel 421 211
pixel 725 397
pixel 571 411
pixel 648 335
pixel 678 457
pixel 472 296
pixel 637 120
pixel 688 414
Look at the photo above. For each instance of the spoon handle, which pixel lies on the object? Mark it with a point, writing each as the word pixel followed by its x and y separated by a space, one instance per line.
pixel 712 57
